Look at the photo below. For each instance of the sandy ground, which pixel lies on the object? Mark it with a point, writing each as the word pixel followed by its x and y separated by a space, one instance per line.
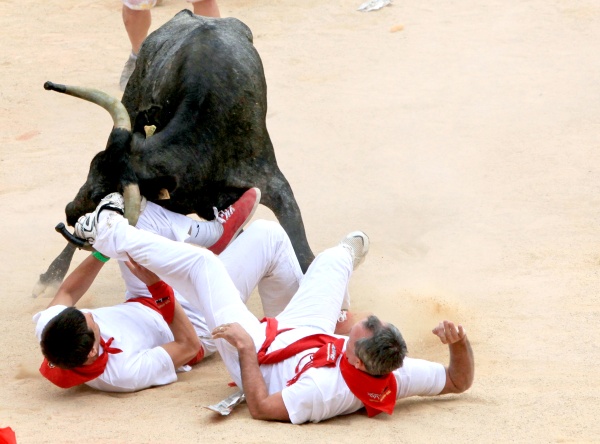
pixel 463 137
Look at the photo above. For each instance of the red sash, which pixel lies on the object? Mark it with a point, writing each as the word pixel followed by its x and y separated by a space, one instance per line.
pixel 378 394
pixel 162 300
pixel 67 378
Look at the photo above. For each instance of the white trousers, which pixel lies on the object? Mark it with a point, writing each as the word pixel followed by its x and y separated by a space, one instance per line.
pixel 205 281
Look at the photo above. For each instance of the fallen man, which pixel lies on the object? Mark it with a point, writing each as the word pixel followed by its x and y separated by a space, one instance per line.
pixel 153 338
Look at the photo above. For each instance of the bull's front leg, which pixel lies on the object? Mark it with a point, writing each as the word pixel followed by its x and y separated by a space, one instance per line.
pixel 53 277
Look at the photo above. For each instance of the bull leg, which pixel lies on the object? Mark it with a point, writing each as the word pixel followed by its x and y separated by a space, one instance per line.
pixel 279 198
pixel 52 278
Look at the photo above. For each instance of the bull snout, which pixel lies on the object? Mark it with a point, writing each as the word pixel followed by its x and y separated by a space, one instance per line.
pixel 73 212
pixel 71 216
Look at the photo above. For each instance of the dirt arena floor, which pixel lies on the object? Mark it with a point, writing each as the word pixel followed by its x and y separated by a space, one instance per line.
pixel 463 137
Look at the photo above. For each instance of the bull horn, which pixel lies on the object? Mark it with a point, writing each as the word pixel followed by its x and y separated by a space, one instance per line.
pixel 116 109
pixel 133 202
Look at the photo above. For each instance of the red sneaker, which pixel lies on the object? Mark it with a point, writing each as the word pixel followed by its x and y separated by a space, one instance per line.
pixel 235 217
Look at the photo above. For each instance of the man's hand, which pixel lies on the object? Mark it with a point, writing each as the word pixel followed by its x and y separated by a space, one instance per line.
pixel 448 333
pixel 461 371
pixel 142 273
pixel 260 403
pixel 235 334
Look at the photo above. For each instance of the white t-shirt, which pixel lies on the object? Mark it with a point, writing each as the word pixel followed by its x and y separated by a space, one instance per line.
pixel 322 393
pixel 139 332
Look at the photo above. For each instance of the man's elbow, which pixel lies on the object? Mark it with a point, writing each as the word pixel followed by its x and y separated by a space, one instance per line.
pixel 194 352
pixel 265 412
pixel 458 383
pixel 461 384
pixel 257 413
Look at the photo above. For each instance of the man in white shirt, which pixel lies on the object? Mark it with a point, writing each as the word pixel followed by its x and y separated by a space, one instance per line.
pixel 140 343
pixel 292 367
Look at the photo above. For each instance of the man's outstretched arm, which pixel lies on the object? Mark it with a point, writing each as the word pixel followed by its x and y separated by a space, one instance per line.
pixel 260 403
pixel 461 371
pixel 78 282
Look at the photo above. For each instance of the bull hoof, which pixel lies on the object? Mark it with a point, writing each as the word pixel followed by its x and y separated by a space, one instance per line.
pixel 46 290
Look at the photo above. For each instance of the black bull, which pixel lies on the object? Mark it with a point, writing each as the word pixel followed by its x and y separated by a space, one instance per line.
pixel 201 83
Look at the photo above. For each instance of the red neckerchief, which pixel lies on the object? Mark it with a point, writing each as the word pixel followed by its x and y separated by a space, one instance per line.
pixel 378 394
pixel 162 300
pixel 67 378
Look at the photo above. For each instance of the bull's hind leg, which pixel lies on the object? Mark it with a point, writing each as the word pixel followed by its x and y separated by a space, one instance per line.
pixel 277 195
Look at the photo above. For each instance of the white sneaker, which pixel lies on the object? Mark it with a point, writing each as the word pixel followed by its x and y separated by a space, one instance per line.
pixel 357 243
pixel 127 71
pixel 85 227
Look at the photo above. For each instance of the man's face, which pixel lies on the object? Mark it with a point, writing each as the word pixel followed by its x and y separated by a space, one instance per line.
pixel 358 331
pixel 89 318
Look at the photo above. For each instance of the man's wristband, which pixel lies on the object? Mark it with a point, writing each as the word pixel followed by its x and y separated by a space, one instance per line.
pixel 100 256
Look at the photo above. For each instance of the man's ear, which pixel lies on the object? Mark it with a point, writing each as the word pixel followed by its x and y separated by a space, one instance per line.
pixel 359 365
pixel 92 354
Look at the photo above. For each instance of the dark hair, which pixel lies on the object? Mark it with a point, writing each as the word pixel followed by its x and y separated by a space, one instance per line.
pixel 384 351
pixel 67 339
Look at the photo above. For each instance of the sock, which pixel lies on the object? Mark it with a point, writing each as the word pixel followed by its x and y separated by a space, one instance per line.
pixel 205 233
pixel 346 301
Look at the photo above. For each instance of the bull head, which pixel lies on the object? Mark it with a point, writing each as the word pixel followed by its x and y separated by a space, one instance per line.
pixel 110 170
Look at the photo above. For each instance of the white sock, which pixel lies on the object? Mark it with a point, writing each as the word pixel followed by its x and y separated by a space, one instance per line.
pixel 205 233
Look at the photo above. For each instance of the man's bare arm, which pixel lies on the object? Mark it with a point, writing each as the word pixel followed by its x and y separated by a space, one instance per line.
pixel 461 371
pixel 77 283
pixel 186 344
pixel 260 403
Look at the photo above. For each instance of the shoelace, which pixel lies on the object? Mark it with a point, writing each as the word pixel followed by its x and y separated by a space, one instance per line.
pixel 223 215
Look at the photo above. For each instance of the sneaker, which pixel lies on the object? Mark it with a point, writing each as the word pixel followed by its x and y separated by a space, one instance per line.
pixel 235 217
pixel 357 243
pixel 85 227
pixel 127 71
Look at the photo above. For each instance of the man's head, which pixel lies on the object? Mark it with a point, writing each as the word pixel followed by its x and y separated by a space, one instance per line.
pixel 70 339
pixel 375 347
